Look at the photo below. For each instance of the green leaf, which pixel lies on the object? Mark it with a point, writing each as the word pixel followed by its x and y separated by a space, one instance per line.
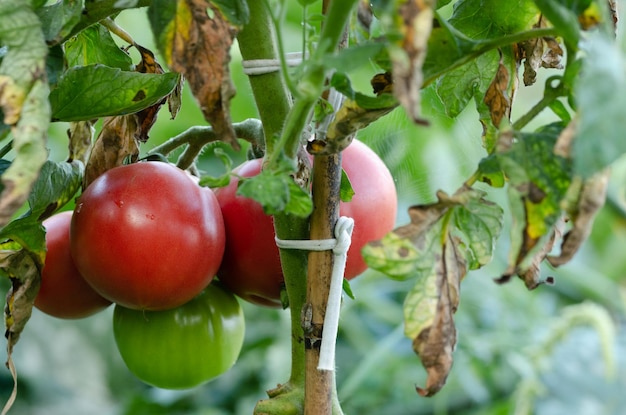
pixel 236 11
pixel 341 82
pixel 539 177
pixel 95 91
pixel 446 45
pixel 459 86
pixel 479 223
pixel 55 64
pixel 601 99
pixel 487 19
pixel 394 256
pixel 55 186
pixel 59 19
pixel 95 45
pixel 24 96
pixel 346 192
pixel 4 165
pixel 354 57
pixel 277 193
pixel 489 171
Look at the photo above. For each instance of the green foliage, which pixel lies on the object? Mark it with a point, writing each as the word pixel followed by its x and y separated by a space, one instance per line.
pixel 106 91
pixel 95 45
pixel 276 192
pixel 599 95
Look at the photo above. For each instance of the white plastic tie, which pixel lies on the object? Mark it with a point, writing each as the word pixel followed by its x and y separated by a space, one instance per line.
pixel 264 66
pixel 339 245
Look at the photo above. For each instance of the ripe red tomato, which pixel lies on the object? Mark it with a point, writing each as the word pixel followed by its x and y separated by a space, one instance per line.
pixel 251 264
pixel 63 292
pixel 146 236
pixel 182 347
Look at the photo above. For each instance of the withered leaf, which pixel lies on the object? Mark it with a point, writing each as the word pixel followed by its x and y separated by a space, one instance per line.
pixel 25 274
pixel 529 259
pixel 435 343
pixel 591 198
pixel 416 23
pixel 147 117
pixel 200 51
pixel 497 97
pixel 115 143
pixel 539 53
pixel 25 278
pixel 80 136
pixel 443 241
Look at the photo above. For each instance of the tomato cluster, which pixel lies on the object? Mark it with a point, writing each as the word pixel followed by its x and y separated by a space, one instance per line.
pixel 251 267
pixel 146 237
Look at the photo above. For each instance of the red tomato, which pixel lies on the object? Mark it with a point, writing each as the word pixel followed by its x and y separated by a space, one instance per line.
pixel 63 292
pixel 251 264
pixel 147 237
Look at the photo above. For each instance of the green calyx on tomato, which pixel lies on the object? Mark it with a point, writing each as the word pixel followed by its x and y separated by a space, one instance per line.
pixel 183 347
pixel 146 236
pixel 251 265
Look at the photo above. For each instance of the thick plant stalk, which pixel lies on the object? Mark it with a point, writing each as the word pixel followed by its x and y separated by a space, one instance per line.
pixel 320 388
pixel 256 41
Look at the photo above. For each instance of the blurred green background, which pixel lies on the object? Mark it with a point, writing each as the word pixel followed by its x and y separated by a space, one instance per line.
pixel 557 350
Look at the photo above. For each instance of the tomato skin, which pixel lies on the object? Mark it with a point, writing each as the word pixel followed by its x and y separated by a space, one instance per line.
pixel 251 265
pixel 146 236
pixel 182 347
pixel 63 292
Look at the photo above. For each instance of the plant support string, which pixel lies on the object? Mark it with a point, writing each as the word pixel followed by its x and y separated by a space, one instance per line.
pixel 339 245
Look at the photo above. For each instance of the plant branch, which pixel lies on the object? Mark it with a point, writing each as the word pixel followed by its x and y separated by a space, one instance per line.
pixel 551 93
pixel 250 130
pixel 311 85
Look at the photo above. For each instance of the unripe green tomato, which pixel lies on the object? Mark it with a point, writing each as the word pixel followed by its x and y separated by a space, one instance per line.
pixel 182 347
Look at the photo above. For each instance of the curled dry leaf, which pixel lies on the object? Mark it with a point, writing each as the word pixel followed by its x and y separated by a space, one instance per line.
pixel 538 53
pixel 25 276
pixel 416 23
pixel 115 144
pixel 435 343
pixel 497 96
pixel 200 51
pixel 591 198
pixel 80 136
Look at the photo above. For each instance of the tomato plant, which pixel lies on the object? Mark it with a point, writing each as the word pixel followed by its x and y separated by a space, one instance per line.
pixel 151 242
pixel 146 236
pixel 63 292
pixel 182 347
pixel 251 266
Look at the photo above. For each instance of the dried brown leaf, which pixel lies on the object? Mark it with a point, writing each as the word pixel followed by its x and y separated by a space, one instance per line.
pixel 497 96
pixel 115 143
pixel 25 278
pixel 147 117
pixel 201 54
pixel 25 274
pixel 435 344
pixel 530 257
pixel 416 24
pixel 80 136
pixel 591 199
